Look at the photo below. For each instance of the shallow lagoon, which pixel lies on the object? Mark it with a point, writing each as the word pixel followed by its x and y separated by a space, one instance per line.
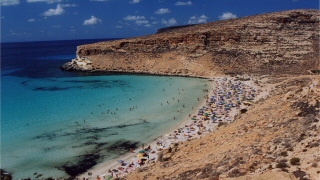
pixel 57 125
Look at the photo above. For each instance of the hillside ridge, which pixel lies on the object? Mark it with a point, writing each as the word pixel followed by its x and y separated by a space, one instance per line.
pixel 275 43
pixel 277 138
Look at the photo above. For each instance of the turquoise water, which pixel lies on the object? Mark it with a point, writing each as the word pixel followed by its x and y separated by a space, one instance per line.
pixel 57 123
pixel 51 125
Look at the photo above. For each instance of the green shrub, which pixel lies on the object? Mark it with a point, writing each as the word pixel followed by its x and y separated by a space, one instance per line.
pixel 236 173
pixel 284 160
pixel 316 144
pixel 295 161
pixel 314 164
pixel 282 165
pixel 221 124
pixel 284 153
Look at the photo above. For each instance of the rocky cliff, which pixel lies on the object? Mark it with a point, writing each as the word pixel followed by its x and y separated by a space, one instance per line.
pixel 282 42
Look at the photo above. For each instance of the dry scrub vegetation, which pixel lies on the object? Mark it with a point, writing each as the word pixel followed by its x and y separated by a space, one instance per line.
pixel 277 138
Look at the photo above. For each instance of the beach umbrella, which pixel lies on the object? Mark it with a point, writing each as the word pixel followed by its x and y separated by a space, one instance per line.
pixel 108 177
pixel 140 156
pixel 142 151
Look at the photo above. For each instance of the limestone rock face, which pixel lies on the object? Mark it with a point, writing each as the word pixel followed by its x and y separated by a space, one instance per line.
pixel 274 43
pixel 78 64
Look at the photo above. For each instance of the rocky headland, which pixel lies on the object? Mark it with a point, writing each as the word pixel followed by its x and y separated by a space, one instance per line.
pixel 277 137
pixel 275 43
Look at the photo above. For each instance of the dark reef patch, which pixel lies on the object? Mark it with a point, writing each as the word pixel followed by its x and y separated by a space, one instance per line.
pixel 85 84
pixel 51 88
pixel 88 143
pixel 24 83
pixel 94 81
pixel 81 165
pixel 96 137
pixel 47 136
pixel 83 81
pixel 55 88
pixel 122 146
pixel 86 130
pixel 48 149
pixel 92 140
pixel 128 125
pixel 101 145
pixel 92 133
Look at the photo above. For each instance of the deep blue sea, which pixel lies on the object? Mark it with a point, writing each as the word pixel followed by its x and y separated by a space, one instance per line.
pixel 60 124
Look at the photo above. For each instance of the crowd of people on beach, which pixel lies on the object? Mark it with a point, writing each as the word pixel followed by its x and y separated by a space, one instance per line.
pixel 228 96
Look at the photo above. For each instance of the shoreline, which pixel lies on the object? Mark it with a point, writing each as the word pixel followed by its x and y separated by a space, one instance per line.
pixel 102 170
pixel 137 73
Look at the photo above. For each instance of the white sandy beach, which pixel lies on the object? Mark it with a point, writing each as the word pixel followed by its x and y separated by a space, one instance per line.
pixel 188 129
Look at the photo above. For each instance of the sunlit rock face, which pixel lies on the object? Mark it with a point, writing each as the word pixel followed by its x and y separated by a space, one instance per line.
pixel 275 43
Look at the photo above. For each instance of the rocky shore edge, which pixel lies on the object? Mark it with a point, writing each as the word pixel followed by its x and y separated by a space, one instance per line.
pixel 276 43
pixel 74 66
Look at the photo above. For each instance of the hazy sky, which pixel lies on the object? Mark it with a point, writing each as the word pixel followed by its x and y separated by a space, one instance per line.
pixel 39 20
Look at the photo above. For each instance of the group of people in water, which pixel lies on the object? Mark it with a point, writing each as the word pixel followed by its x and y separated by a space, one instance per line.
pixel 227 96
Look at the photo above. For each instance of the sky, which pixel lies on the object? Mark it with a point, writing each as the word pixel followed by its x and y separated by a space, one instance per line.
pixel 42 20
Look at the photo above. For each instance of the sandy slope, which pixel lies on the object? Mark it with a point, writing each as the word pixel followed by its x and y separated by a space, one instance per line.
pixel 260 144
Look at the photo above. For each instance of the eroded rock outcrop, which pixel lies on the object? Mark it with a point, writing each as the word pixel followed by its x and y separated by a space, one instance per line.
pixel 282 42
